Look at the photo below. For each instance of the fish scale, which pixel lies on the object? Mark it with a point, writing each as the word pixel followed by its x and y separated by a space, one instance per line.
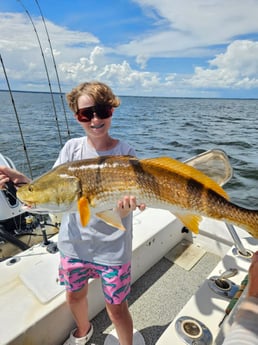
pixel 97 184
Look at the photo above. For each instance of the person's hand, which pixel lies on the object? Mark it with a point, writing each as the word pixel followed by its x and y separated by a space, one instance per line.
pixel 253 277
pixel 8 174
pixel 128 204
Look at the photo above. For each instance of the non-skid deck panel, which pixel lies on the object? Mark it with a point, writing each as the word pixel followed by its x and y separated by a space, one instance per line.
pixel 157 297
pixel 205 305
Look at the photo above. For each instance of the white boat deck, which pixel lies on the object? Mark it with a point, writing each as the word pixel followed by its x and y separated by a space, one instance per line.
pixel 174 289
pixel 206 305
pixel 157 297
pixel 33 308
pixel 32 303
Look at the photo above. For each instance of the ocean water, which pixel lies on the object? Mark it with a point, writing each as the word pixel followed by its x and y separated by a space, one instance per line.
pixel 175 127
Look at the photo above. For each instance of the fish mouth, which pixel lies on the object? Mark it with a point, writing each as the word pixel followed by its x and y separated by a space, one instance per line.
pixel 28 205
pixel 48 208
pixel 33 209
pixel 42 210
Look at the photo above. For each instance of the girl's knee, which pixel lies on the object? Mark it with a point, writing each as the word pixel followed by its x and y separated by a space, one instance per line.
pixel 76 296
pixel 117 311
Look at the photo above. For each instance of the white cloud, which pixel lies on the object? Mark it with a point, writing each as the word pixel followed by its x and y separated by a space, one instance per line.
pixel 193 28
pixel 119 75
pixel 240 56
pixel 20 47
pixel 17 32
pixel 236 68
pixel 77 56
pixel 89 66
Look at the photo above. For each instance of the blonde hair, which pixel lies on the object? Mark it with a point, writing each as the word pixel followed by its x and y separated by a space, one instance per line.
pixel 100 92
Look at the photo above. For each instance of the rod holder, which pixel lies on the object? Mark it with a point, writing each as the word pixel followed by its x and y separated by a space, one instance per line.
pixel 239 245
pixel 44 233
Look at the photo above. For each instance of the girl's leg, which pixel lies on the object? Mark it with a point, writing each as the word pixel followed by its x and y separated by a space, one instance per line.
pixel 78 304
pixel 121 318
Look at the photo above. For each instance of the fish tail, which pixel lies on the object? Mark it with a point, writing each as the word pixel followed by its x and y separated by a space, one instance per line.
pixel 246 219
pixel 237 215
pixel 215 205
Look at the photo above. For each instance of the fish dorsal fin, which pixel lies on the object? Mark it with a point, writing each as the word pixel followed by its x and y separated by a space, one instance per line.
pixel 191 221
pixel 186 171
pixel 111 217
pixel 84 210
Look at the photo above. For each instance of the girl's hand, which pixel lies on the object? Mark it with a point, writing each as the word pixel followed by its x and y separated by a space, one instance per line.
pixel 128 204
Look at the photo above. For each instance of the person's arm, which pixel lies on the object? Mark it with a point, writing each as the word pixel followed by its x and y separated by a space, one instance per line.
pixel 8 174
pixel 244 330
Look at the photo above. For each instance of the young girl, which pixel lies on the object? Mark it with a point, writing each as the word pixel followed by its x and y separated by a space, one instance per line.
pixel 98 250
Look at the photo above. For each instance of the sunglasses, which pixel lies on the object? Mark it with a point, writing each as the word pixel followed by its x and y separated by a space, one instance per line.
pixel 103 111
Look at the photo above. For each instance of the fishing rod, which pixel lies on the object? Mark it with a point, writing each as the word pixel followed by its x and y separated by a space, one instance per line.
pixel 46 69
pixel 54 63
pixel 17 117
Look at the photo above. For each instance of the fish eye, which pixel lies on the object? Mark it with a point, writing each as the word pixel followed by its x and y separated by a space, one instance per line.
pixel 30 189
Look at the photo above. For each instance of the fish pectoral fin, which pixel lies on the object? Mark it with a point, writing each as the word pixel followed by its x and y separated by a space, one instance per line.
pixel 191 221
pixel 84 210
pixel 111 217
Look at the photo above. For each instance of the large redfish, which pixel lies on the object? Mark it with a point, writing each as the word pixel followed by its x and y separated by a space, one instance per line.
pixel 95 185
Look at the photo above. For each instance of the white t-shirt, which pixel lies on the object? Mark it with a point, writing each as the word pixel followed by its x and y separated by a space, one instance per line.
pixel 97 242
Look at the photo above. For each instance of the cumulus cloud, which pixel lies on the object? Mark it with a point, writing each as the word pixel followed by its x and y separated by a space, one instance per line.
pixel 119 75
pixel 89 66
pixel 20 47
pixel 180 29
pixel 78 57
pixel 236 68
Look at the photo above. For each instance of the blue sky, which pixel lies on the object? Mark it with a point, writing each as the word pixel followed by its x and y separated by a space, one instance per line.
pixel 172 48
